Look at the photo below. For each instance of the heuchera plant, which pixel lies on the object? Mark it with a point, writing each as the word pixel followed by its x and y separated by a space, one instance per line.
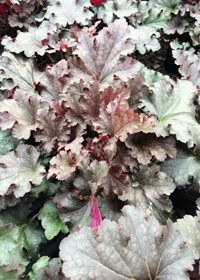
pixel 93 144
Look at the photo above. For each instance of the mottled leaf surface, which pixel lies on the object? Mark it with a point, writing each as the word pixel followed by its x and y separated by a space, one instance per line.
pixel 189 228
pixel 136 248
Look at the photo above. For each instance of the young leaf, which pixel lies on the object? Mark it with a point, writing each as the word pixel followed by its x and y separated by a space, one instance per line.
pixel 96 215
pixel 177 115
pixel 176 24
pixel 50 220
pixel 20 113
pixel 55 81
pixel 117 120
pixel 136 248
pixel 51 128
pixel 150 191
pixel 21 70
pixel 20 167
pixel 105 55
pixel 77 10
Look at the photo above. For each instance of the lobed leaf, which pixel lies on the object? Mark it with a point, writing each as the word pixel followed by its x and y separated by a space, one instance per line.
pixel 21 70
pixel 177 115
pixel 20 167
pixel 20 113
pixel 150 191
pixel 189 65
pixel 184 170
pixel 50 220
pixel 64 13
pixel 136 248
pixel 104 55
pixel 144 146
pixel 189 228
pixel 119 8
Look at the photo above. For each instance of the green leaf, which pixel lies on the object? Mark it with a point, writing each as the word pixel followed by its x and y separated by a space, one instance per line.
pixel 48 188
pixel 156 19
pixel 177 115
pixel 168 6
pixel 145 38
pixel 51 221
pixel 43 261
pixel 20 167
pixel 7 141
pixel 189 228
pixel 136 248
pixel 8 242
pixel 31 234
pixel 184 170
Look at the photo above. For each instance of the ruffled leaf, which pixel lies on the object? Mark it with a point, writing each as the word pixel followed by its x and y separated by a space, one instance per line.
pixel 136 248
pixel 104 55
pixel 30 233
pixel 118 121
pixel 55 81
pixel 189 228
pixel 51 129
pixel 21 70
pixel 184 170
pixel 150 191
pixel 33 38
pixel 76 11
pixel 189 65
pixel 20 113
pixel 144 146
pixel 120 8
pixel 177 115
pixel 145 38
pixel 168 7
pixel 20 167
